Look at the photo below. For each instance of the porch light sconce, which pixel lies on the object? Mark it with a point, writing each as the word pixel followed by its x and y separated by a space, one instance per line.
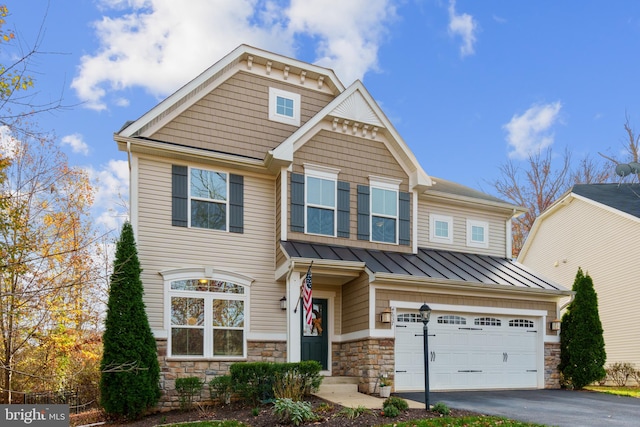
pixel 385 316
pixel 554 325
pixel 283 303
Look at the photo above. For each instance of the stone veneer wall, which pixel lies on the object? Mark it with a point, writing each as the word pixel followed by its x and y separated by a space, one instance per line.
pixel 257 351
pixel 551 362
pixel 365 359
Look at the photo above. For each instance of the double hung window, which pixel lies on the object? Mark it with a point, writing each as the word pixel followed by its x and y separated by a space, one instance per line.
pixel 321 199
pixel 208 199
pixel 384 212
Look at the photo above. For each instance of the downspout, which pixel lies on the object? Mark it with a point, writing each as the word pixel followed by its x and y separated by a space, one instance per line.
pixel 129 154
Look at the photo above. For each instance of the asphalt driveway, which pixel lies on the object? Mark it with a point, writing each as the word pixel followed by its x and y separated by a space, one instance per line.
pixel 549 407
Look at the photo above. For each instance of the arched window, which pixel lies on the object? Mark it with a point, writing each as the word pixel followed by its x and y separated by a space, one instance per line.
pixel 206 313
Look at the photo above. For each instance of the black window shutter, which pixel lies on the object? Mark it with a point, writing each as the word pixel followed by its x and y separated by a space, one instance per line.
pixel 343 209
pixel 363 212
pixel 179 195
pixel 297 202
pixel 236 203
pixel 404 234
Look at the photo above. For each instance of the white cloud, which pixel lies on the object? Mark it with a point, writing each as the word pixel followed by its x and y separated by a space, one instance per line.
pixel 9 145
pixel 348 41
pixel 464 26
pixel 159 46
pixel 530 132
pixel 76 143
pixel 111 200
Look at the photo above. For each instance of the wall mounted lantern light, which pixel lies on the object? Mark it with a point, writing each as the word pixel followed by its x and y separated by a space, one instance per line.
pixel 385 316
pixel 554 325
pixel 283 303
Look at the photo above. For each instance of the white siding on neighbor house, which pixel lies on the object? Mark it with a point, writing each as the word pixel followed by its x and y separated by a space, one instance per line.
pixel 460 215
pixel 605 245
pixel 162 246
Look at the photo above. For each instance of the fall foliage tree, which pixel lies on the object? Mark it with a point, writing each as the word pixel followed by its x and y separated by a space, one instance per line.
pixel 130 368
pixel 542 180
pixel 46 268
pixel 18 100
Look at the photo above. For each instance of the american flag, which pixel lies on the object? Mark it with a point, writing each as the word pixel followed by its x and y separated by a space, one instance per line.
pixel 306 297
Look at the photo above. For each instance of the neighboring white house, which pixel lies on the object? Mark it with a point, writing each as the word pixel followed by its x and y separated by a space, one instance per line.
pixel 596 227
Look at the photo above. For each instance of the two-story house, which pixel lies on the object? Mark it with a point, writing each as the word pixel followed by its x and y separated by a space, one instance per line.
pixel 264 165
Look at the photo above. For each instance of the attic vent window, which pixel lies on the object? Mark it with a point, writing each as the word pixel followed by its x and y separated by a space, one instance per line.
pixel 284 107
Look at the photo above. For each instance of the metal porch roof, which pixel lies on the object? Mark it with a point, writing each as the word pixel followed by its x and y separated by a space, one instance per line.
pixel 429 263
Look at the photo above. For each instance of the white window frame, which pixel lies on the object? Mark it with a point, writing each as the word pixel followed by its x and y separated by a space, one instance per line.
pixel 329 174
pixel 208 273
pixel 476 243
pixel 384 184
pixel 274 93
pixel 433 218
pixel 225 202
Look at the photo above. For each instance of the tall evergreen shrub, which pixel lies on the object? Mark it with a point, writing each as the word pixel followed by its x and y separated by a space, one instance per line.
pixel 130 371
pixel 582 352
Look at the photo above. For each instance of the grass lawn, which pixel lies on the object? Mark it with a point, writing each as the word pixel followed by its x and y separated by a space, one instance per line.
pixel 620 391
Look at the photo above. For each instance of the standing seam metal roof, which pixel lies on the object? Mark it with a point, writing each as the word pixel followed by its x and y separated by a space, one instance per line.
pixel 431 263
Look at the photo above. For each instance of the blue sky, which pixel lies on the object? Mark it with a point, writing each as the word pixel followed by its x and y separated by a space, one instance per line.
pixel 468 84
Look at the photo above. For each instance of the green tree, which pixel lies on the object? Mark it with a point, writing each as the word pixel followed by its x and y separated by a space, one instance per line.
pixel 130 369
pixel 582 353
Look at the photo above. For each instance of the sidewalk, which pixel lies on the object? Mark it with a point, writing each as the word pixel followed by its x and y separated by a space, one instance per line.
pixel 355 399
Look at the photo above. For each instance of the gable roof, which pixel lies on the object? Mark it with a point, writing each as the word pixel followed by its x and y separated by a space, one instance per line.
pixel 219 72
pixel 432 264
pixel 622 197
pixel 453 190
pixel 355 106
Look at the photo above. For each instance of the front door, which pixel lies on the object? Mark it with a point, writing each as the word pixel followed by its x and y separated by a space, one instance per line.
pixel 315 342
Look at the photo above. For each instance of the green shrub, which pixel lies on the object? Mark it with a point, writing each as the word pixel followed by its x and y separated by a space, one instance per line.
pixel 352 413
pixel 441 409
pixel 288 385
pixel 294 412
pixel 221 388
pixel 397 402
pixel 187 388
pixel 129 384
pixel 255 381
pixel 582 352
pixel 390 411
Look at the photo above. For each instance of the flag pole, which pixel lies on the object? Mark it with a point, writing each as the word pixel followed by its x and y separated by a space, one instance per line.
pixel 295 310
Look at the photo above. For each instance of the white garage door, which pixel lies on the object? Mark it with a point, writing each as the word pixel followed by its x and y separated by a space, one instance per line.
pixel 467 351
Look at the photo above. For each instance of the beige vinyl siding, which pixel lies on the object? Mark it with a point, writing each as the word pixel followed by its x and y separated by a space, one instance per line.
pixel 384 296
pixel 162 246
pixel 460 215
pixel 234 118
pixel 357 159
pixel 355 305
pixel 605 245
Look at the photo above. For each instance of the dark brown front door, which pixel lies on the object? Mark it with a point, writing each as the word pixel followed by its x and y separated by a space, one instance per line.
pixel 315 341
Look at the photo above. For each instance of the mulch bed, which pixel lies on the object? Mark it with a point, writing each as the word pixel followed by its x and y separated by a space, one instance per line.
pixel 265 418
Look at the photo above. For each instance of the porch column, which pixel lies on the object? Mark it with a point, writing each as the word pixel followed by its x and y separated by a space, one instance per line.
pixel 293 319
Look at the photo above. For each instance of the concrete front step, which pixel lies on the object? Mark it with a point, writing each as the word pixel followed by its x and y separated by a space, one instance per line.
pixel 333 385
